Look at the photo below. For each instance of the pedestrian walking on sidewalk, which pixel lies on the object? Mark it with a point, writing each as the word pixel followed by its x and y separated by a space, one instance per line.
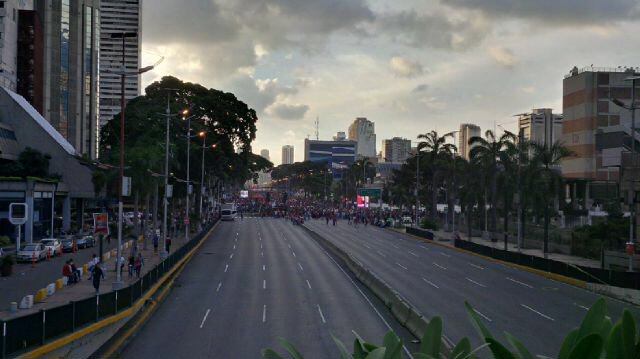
pixel 97 274
pixel 139 263
pixel 155 243
pixel 168 247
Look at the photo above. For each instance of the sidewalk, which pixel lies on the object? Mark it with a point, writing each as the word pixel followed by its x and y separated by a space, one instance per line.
pixel 85 289
pixel 446 239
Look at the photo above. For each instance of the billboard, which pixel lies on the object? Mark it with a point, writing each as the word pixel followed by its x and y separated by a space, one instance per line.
pixel 101 223
pixel 244 194
pixel 363 201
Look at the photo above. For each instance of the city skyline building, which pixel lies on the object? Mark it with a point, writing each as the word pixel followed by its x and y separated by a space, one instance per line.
pixel 9 17
pixel 265 154
pixel 540 126
pixel 340 136
pixel 287 154
pixel 466 132
pixel 396 150
pixel 363 131
pixel 118 16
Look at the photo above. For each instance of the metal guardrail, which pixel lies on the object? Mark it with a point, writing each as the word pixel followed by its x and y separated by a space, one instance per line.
pixel 25 333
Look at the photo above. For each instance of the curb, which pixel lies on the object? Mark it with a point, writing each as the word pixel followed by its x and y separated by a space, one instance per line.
pixel 402 310
pixel 557 277
pixel 59 343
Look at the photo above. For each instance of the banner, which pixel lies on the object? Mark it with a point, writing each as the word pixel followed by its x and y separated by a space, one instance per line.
pixel 101 223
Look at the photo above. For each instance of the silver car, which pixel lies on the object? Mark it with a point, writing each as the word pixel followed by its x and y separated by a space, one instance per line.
pixel 32 251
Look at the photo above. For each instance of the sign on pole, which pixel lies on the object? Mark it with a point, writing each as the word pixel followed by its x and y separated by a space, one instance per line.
pixel 18 215
pixel 126 186
pixel 101 223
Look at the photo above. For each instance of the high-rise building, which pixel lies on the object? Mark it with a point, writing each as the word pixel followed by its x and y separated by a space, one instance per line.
pixel 340 136
pixel 287 155
pixel 540 126
pixel 363 132
pixel 594 128
pixel 265 154
pixel 9 16
pixel 58 46
pixel 396 150
pixel 118 16
pixel 467 131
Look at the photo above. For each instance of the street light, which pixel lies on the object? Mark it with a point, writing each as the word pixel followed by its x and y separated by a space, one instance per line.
pixel 632 107
pixel 123 73
pixel 187 223
pixel 204 145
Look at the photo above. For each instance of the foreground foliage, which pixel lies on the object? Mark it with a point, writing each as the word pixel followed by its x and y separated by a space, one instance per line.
pixel 596 337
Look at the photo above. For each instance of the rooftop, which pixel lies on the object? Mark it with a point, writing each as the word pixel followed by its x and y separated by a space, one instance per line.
pixel 576 71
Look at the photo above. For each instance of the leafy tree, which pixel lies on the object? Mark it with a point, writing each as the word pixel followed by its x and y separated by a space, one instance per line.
pixel 436 149
pixel 30 163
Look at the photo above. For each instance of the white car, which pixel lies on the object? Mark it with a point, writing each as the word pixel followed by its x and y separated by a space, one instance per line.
pixel 31 251
pixel 51 244
pixel 407 220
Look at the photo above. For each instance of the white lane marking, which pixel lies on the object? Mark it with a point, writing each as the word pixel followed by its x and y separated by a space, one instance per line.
pixel 259 238
pixel 401 266
pixel 519 282
pixel 371 304
pixel 476 283
pixel 382 254
pixel 294 253
pixel 413 254
pixel 537 312
pixel 264 284
pixel 231 256
pixel 321 315
pixel 225 268
pixel 219 286
pixel 482 315
pixel 300 265
pixel 446 255
pixel 425 248
pixel 439 266
pixel 262 254
pixel 587 309
pixel 236 239
pixel 428 281
pixel 309 284
pixel 366 245
pixel 264 313
pixel 234 246
pixel 475 266
pixel 289 246
pixel 260 245
pixel 264 268
pixel 237 233
pixel 205 317
pixel 395 245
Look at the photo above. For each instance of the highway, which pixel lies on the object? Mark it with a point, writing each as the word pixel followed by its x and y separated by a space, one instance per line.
pixel 437 280
pixel 253 281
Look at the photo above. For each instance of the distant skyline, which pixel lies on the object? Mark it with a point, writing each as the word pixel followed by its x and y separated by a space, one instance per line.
pixel 410 66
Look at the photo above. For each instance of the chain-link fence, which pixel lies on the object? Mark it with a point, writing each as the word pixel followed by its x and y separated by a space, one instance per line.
pixel 25 333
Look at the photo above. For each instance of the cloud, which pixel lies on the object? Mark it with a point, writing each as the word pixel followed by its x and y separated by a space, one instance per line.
pixel 403 67
pixel 562 12
pixel 503 56
pixel 420 88
pixel 288 111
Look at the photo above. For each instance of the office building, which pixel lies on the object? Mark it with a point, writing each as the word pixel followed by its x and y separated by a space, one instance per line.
pixel 594 128
pixel 540 126
pixel 8 35
pixel 396 150
pixel 265 154
pixel 58 53
pixel 466 133
pixel 118 16
pixel 363 132
pixel 287 155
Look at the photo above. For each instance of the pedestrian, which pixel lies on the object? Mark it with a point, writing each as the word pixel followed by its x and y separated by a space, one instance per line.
pixel 168 245
pixel 94 260
pixel 75 272
pixel 139 263
pixel 155 243
pixel 66 271
pixel 97 274
pixel 132 263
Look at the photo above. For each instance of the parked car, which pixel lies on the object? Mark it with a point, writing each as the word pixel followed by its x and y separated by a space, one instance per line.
pixel 51 244
pixel 30 251
pixel 85 241
pixel 407 220
pixel 67 245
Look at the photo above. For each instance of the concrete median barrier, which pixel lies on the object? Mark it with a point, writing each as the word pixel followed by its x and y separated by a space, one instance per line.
pixel 41 296
pixel 61 282
pixel 26 302
pixel 51 289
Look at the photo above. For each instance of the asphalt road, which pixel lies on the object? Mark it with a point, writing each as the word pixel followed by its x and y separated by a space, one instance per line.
pixel 251 282
pixel 437 280
pixel 26 280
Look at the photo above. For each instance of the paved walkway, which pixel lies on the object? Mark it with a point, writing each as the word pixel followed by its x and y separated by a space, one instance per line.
pixel 85 289
pixel 446 238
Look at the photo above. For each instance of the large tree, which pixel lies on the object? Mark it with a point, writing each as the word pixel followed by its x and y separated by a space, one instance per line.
pixel 436 151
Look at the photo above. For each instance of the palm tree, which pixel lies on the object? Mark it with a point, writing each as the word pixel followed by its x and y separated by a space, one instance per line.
pixel 488 153
pixel 435 147
pixel 546 159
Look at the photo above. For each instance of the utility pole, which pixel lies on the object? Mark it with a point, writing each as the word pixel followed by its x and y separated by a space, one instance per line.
pixel 519 210
pixel 632 217
pixel 204 145
pixel 163 252
pixel 417 184
pixel 187 223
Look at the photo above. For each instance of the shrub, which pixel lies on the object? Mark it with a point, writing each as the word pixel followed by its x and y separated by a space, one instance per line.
pixel 427 223
pixel 5 241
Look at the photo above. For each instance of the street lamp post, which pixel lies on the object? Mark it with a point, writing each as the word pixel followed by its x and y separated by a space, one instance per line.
pixel 186 210
pixel 204 144
pixel 632 205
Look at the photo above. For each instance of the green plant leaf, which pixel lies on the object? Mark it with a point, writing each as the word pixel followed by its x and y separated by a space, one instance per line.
pixel 628 334
pixel 422 356
pixel 589 347
pixel 270 354
pixel 606 329
pixel 518 346
pixel 377 354
pixel 394 351
pixel 477 323
pixel 499 351
pixel 290 348
pixel 368 347
pixel 614 345
pixel 462 349
pixel 432 338
pixel 344 353
pixel 592 322
pixel 390 339
pixel 358 351
pixel 568 344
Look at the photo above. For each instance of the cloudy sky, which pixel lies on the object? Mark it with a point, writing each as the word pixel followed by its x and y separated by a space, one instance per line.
pixel 408 65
